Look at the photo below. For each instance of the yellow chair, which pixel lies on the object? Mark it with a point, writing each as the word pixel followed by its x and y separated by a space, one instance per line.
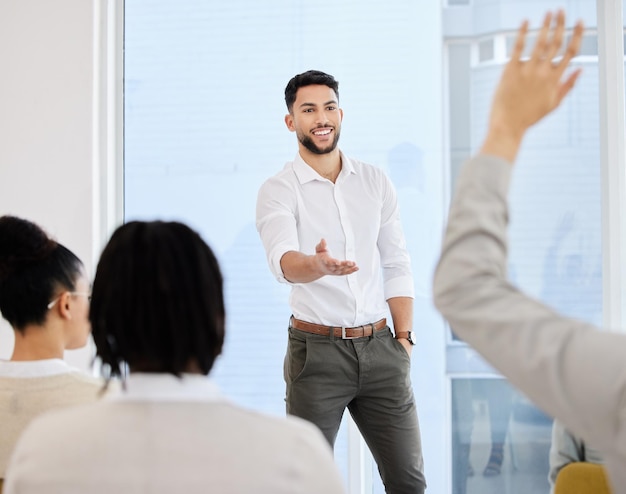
pixel 582 478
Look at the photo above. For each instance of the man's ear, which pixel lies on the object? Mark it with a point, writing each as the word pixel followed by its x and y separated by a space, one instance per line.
pixel 289 122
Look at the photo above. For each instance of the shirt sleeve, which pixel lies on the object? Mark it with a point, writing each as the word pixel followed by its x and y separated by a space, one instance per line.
pixel 394 256
pixel 568 368
pixel 276 223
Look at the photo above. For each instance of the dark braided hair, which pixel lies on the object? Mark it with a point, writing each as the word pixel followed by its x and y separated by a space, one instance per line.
pixel 32 268
pixel 308 78
pixel 157 302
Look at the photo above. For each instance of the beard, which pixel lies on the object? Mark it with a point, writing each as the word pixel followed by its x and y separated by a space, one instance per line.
pixel 308 143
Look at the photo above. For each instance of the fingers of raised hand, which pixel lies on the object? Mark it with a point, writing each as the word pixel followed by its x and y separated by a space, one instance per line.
pixel 572 47
pixel 550 38
pixel 550 41
pixel 554 45
pixel 520 41
pixel 541 45
pixel 568 85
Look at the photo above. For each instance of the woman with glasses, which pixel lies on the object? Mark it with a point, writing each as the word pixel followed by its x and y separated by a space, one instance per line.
pixel 44 295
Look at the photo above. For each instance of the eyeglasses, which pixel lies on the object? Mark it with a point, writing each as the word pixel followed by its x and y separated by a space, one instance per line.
pixel 84 294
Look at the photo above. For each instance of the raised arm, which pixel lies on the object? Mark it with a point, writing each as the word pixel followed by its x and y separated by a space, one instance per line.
pixel 567 367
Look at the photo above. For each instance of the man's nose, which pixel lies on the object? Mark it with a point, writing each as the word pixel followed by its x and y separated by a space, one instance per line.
pixel 321 119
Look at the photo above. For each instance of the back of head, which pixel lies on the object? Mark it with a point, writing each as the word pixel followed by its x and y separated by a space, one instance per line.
pixel 32 267
pixel 157 302
pixel 309 78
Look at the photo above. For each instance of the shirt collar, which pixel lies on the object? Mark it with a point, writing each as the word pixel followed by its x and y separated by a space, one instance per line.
pixel 167 387
pixel 305 173
pixel 34 368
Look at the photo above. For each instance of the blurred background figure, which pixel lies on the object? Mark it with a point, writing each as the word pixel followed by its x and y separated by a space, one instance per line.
pixel 567 448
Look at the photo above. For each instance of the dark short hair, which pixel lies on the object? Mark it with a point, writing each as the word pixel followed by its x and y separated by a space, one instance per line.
pixel 33 267
pixel 308 78
pixel 157 303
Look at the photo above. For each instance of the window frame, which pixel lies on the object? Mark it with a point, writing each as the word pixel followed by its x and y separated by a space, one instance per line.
pixel 610 34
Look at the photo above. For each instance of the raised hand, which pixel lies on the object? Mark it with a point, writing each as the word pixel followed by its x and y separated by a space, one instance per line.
pixel 530 89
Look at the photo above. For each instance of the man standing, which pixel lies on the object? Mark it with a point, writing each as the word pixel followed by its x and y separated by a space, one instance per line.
pixel 341 352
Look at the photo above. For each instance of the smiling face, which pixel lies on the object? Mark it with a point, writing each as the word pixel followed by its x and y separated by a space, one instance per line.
pixel 316 119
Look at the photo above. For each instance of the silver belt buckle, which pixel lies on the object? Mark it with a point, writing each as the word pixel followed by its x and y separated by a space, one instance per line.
pixel 343 334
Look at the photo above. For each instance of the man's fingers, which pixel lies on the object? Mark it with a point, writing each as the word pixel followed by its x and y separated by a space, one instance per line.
pixel 350 270
pixel 341 268
pixel 321 247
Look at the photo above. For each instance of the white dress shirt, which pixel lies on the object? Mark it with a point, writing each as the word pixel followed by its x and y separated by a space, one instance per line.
pixel 358 216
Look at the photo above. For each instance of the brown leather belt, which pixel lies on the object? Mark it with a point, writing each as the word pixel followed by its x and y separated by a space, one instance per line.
pixel 338 331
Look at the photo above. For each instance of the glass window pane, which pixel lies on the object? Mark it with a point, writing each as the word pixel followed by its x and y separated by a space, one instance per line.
pixel 500 441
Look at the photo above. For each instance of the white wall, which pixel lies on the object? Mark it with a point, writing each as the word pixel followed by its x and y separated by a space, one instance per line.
pixel 48 155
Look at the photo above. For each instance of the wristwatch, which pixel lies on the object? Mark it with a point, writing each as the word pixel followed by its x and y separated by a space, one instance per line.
pixel 407 335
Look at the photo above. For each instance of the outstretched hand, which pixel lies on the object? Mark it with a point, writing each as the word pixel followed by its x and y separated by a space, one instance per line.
pixel 530 89
pixel 328 265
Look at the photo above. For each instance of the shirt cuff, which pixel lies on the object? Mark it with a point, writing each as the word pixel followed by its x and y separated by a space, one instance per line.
pixel 401 286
